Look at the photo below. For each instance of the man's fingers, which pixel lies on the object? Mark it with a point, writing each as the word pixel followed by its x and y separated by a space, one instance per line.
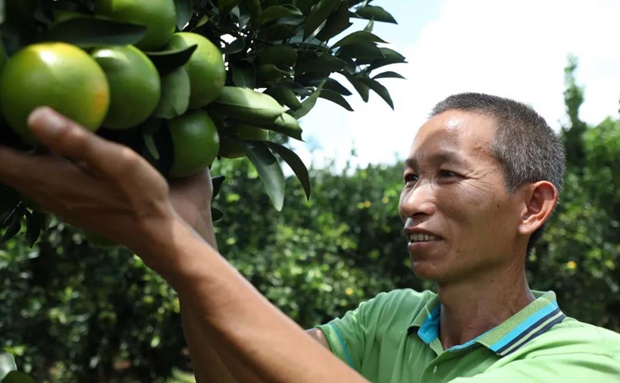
pixel 68 139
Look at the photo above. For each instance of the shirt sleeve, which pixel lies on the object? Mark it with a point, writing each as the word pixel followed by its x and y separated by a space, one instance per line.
pixel 349 335
pixel 556 368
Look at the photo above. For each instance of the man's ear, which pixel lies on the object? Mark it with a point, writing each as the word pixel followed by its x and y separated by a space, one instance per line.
pixel 540 199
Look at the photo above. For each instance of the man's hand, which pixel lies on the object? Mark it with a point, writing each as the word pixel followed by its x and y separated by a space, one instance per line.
pixel 92 183
pixel 191 198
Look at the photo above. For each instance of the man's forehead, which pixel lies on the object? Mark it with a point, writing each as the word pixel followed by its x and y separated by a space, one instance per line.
pixel 454 127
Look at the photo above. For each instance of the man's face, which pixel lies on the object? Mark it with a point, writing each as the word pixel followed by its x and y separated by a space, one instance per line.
pixel 459 218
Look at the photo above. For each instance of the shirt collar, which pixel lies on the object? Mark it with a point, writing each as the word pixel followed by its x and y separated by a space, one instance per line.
pixel 532 321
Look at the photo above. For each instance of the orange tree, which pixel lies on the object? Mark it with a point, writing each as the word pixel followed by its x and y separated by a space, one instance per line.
pixel 250 69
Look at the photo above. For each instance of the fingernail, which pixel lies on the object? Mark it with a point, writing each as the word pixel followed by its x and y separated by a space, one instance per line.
pixel 47 119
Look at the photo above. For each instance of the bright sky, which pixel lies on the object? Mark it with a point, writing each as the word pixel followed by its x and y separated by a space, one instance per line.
pixel 516 49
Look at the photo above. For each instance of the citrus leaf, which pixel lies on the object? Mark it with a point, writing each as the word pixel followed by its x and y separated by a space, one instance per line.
pixel 358 37
pixel 93 31
pixel 373 12
pixel 334 85
pixel 7 364
pixel 184 12
pixel 389 74
pixel 175 92
pixel 243 74
pixel 226 6
pixel 336 23
pixel 278 55
pixel 324 63
pixel 33 229
pixel 276 32
pixel 276 12
pixel 380 90
pixel 217 182
pixel 270 72
pixel 15 224
pixel 149 142
pixel 364 53
pixel 318 15
pixel 234 47
pixel 18 377
pixel 390 57
pixel 296 164
pixel 284 96
pixel 298 89
pixel 304 5
pixel 268 169
pixel 361 88
pixel 247 105
pixel 167 62
pixel 335 97
pixel 216 214
pixel 284 124
pixel 307 104
pixel 369 27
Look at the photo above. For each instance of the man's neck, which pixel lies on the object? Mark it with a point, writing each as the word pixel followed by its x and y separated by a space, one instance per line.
pixel 473 307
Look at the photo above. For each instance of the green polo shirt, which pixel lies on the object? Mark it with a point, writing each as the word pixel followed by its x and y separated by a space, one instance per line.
pixel 393 338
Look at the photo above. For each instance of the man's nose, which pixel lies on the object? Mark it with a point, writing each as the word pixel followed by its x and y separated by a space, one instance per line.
pixel 419 200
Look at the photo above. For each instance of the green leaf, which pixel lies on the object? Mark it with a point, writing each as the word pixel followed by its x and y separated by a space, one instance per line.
pixel 268 169
pixel 14 224
pixel 243 74
pixel 391 57
pixel 334 85
pixel 297 88
pixel 277 12
pixel 276 32
pixel 335 97
pixel 175 92
pixel 278 55
pixel 304 5
pixel 323 63
pixel 318 15
pixel 364 53
pixel 285 124
pixel 184 12
pixel 284 96
pixel 236 46
pixel 18 377
pixel 369 27
pixel 362 89
pixel 149 142
pixel 92 31
pixel 336 23
pixel 270 72
pixel 33 229
pixel 216 214
pixel 307 104
pixel 358 37
pixel 7 364
pixel 373 12
pixel 247 105
pixel 217 182
pixel 226 6
pixel 389 74
pixel 167 62
pixel 380 90
pixel 296 164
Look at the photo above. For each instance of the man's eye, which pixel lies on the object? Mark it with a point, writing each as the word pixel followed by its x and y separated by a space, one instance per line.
pixel 411 178
pixel 447 173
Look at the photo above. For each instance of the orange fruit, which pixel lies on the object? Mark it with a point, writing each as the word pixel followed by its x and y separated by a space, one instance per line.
pixel 230 148
pixel 135 85
pixel 195 143
pixel 58 75
pixel 158 16
pixel 206 69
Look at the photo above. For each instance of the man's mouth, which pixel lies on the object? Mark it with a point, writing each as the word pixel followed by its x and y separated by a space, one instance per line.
pixel 419 237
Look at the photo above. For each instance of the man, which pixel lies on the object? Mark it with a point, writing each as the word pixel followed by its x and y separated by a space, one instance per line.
pixel 483 176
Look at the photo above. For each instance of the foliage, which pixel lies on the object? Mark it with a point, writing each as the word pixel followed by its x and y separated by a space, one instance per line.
pixel 280 56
